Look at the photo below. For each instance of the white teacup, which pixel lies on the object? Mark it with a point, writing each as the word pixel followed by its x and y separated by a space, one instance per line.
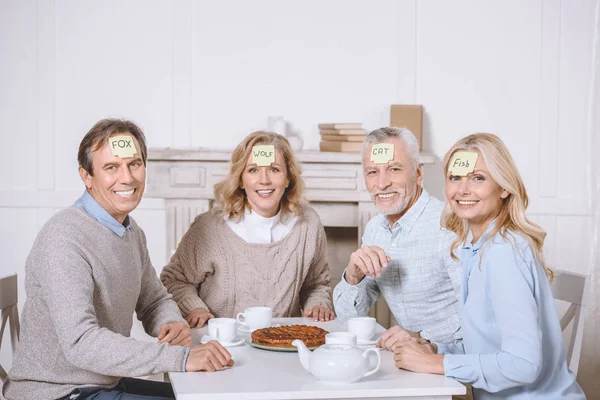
pixel 345 338
pixel 222 329
pixel 256 317
pixel 362 327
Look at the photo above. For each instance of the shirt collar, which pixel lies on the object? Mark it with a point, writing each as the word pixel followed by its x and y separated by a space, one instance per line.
pixel 411 216
pixel 87 203
pixel 257 219
pixel 477 245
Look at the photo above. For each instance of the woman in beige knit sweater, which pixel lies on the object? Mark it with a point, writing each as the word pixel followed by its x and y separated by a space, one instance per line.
pixel 260 245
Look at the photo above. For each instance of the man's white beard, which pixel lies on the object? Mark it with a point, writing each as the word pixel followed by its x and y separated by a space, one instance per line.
pixel 402 201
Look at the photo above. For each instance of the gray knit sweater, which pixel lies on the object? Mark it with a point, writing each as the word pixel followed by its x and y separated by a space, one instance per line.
pixel 215 269
pixel 83 284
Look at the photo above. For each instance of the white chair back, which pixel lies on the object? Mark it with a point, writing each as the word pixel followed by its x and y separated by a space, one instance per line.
pixel 10 314
pixel 573 288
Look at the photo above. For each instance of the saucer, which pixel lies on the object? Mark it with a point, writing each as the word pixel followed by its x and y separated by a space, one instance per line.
pixel 205 339
pixel 367 342
pixel 243 329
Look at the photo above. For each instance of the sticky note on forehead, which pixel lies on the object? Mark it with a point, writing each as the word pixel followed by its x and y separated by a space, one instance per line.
pixel 462 163
pixel 263 155
pixel 122 146
pixel 382 153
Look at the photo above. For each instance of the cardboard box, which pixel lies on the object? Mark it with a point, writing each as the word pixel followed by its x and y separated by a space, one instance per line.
pixel 408 116
pixel 344 147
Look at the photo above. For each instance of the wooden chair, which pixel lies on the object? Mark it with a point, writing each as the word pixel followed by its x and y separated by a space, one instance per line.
pixel 573 288
pixel 10 314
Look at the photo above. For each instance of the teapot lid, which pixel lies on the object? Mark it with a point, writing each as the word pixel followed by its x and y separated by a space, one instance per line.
pixel 337 347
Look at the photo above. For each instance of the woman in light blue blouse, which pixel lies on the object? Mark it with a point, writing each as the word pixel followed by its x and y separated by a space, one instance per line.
pixel 512 345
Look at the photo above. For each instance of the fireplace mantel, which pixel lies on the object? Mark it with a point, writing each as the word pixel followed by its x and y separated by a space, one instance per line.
pixel 335 188
pixel 185 178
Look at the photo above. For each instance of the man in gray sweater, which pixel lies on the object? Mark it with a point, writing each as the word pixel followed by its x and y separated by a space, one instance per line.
pixel 87 273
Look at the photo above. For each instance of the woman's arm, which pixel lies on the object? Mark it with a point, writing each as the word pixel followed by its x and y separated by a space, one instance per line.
pixel 316 288
pixel 187 269
pixel 510 282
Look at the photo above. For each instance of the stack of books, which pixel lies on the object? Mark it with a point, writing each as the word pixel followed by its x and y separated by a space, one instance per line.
pixel 342 137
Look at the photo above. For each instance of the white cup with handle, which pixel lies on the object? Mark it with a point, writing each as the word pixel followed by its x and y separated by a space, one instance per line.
pixel 362 327
pixel 222 329
pixel 255 317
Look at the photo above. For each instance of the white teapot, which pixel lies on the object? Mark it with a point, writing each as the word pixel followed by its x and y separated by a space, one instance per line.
pixel 337 363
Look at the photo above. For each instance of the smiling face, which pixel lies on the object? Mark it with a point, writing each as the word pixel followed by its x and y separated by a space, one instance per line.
pixel 393 186
pixel 265 186
pixel 117 184
pixel 476 197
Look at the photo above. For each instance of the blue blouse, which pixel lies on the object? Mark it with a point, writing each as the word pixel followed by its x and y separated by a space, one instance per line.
pixel 512 345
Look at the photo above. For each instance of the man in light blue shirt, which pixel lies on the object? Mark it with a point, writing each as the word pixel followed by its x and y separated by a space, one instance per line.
pixel 405 254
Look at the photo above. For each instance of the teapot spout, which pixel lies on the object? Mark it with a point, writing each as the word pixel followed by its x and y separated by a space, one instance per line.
pixel 303 353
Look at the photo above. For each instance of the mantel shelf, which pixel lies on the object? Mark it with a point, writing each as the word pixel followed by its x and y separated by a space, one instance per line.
pixel 305 156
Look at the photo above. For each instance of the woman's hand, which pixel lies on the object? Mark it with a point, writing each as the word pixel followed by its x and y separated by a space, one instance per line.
pixel 394 335
pixel 319 313
pixel 198 317
pixel 418 356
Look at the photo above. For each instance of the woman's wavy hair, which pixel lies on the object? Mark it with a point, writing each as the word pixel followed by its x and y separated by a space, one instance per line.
pixel 231 200
pixel 511 216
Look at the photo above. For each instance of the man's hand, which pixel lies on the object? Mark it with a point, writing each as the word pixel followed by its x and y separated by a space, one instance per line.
pixel 368 260
pixel 319 313
pixel 198 317
pixel 175 333
pixel 394 335
pixel 209 357
pixel 417 356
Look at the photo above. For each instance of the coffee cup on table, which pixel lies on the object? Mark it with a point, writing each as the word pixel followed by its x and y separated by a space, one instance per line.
pixel 222 329
pixel 255 317
pixel 344 338
pixel 362 327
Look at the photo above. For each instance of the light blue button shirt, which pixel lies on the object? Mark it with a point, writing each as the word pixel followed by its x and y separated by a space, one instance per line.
pixel 512 344
pixel 93 208
pixel 420 284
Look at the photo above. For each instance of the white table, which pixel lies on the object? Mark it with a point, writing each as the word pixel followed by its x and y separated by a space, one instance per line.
pixel 262 374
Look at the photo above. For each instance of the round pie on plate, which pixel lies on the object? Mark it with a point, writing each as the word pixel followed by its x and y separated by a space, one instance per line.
pixel 283 336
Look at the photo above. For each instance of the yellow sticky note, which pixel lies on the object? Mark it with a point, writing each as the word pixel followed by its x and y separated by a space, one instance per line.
pixel 462 163
pixel 382 153
pixel 122 146
pixel 263 155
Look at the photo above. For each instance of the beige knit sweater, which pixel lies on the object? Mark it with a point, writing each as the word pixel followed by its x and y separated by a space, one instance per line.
pixel 215 269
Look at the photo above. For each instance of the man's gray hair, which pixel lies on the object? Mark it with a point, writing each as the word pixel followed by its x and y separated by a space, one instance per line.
pixel 381 134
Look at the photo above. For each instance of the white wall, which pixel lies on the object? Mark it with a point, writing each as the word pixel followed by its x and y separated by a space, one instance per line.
pixel 206 73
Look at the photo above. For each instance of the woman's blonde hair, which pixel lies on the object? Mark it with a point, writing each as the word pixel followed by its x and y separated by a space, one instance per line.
pixel 511 216
pixel 231 199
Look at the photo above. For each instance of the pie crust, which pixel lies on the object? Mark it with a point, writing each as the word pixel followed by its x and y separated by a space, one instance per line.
pixel 282 336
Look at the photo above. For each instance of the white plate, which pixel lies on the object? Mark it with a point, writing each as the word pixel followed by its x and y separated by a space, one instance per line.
pixel 205 339
pixel 273 348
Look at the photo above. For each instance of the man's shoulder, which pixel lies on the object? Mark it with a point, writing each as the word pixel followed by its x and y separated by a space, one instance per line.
pixel 376 222
pixel 434 206
pixel 66 229
pixel 68 219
